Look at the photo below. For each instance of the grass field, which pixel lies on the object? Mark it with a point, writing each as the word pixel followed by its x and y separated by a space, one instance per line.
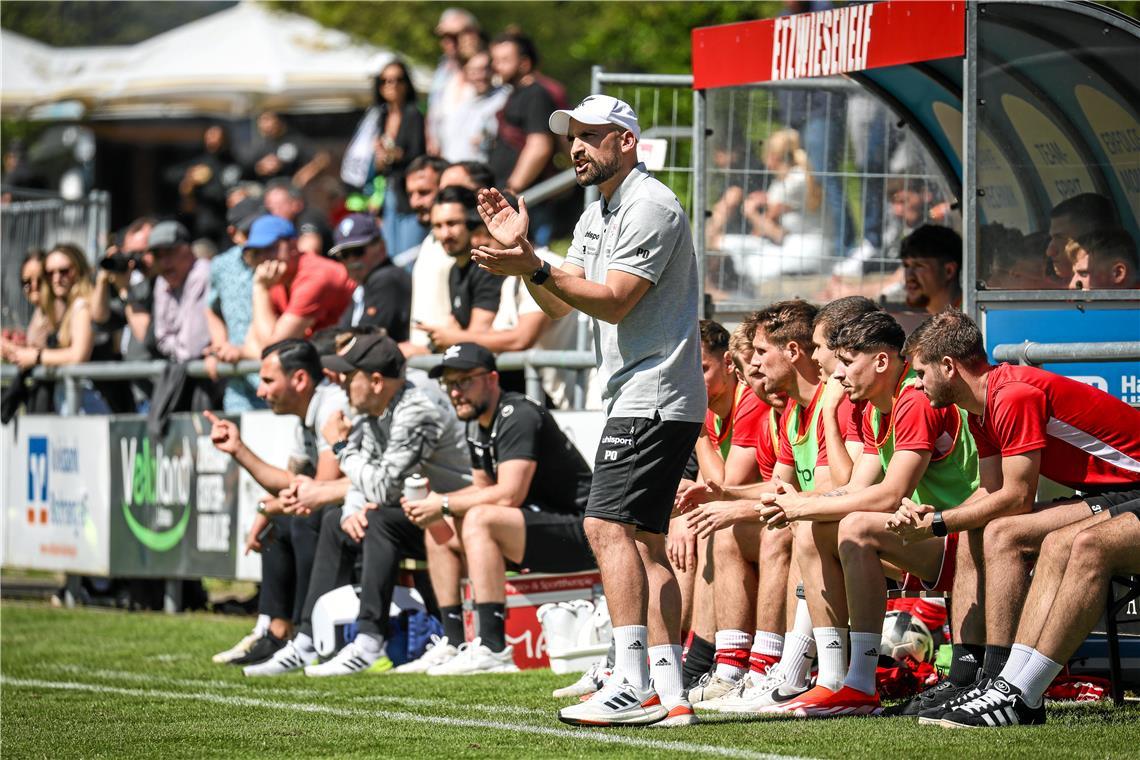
pixel 99 683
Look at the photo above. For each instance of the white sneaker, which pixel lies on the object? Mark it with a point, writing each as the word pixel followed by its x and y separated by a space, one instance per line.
pixel 285 660
pixel 353 658
pixel 475 658
pixel 438 652
pixel 237 650
pixel 749 681
pixel 762 696
pixel 711 686
pixel 592 680
pixel 618 703
pixel 680 714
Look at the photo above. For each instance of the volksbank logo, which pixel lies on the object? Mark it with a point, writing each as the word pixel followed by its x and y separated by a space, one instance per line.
pixel 37 479
pixel 160 482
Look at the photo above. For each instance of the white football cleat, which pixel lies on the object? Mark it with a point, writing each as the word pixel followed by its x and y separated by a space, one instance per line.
pixel 710 687
pixel 474 658
pixel 285 660
pixel 353 658
pixel 592 680
pixel 618 703
pixel 239 649
pixel 762 697
pixel 438 652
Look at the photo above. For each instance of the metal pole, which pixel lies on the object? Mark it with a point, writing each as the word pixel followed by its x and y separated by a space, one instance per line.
pixel 700 119
pixel 72 396
pixel 533 383
pixel 581 377
pixel 971 107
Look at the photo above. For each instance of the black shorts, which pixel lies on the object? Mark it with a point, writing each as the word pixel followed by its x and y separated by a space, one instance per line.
pixel 555 542
pixel 1117 502
pixel 637 469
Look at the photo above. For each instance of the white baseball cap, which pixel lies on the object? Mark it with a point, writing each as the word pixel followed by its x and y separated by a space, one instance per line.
pixel 596 109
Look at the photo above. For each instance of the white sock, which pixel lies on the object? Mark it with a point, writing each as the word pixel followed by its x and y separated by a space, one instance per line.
pixel 767 643
pixel 1018 656
pixel 261 627
pixel 303 643
pixel 831 646
pixel 1035 677
pixel 370 643
pixel 665 669
pixel 630 652
pixel 732 640
pixel 864 661
pixel 795 663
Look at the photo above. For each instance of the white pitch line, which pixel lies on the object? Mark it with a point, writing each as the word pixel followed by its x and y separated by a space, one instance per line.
pixel 126 675
pixel 438 720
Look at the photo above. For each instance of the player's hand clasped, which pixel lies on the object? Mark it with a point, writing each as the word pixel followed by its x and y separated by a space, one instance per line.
pixel 912 522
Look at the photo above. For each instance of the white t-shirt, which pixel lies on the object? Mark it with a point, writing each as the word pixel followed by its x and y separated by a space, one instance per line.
pixel 309 443
pixel 430 291
pixel 791 190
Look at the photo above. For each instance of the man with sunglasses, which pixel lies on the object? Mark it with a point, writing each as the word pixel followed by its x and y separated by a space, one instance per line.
pixel 525 508
pixel 383 294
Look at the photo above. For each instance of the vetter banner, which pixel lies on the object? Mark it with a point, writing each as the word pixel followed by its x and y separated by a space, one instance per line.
pixel 828 42
pixel 173 505
pixel 56 509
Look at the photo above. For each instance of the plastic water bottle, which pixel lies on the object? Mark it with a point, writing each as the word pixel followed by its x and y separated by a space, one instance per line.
pixel 416 489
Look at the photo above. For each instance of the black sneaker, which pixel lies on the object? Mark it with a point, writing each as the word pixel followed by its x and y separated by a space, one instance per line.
pixel 938 694
pixel 262 650
pixel 1001 705
pixel 933 715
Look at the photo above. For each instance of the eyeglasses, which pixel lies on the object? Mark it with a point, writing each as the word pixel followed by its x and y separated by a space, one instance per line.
pixel 62 272
pixel 31 284
pixel 351 253
pixel 463 384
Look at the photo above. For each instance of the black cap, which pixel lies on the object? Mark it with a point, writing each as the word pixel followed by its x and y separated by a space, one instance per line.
pixel 371 353
pixel 167 235
pixel 465 356
pixel 244 212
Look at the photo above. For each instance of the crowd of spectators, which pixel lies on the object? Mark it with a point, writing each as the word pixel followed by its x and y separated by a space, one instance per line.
pixel 254 253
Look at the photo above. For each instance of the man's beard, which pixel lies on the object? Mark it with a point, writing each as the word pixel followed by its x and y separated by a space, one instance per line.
pixel 598 172
pixel 477 411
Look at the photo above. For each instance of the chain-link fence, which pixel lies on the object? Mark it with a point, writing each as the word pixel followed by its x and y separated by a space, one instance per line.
pixel 806 189
pixel 31 220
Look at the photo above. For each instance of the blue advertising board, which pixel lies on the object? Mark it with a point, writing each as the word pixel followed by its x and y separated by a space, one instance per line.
pixel 1045 325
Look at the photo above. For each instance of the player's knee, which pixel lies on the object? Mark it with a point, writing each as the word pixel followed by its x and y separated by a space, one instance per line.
pixel 1088 552
pixel 857 531
pixel 726 547
pixel 1003 536
pixel 1058 545
pixel 477 523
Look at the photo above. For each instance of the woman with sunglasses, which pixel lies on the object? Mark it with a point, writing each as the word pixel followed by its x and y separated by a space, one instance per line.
pixel 65 304
pixel 388 138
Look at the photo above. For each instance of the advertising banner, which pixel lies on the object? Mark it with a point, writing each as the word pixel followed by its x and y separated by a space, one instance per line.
pixel 56 509
pixel 173 510
pixel 1042 325
pixel 270 436
pixel 828 42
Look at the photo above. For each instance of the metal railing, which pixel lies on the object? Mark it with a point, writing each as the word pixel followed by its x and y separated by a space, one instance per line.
pixel 73 376
pixel 1062 353
pixel 38 220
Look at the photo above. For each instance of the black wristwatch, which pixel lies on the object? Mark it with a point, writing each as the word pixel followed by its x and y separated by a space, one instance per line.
pixel 339 447
pixel 937 527
pixel 541 274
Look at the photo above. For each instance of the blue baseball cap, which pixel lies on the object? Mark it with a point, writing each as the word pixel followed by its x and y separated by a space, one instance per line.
pixel 267 230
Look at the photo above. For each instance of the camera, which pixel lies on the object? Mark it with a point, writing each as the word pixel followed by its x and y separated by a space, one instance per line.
pixel 120 263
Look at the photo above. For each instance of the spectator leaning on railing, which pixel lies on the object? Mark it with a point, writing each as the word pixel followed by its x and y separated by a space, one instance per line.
pixel 179 294
pixel 294 293
pixel 383 294
pixel 65 302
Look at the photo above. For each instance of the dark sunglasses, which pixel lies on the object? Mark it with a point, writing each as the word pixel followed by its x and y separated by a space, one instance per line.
pixel 65 272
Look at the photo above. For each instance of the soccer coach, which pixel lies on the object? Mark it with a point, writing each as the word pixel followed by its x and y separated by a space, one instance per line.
pixel 632 268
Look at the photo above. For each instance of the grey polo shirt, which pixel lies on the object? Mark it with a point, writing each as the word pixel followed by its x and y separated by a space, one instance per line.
pixel 649 363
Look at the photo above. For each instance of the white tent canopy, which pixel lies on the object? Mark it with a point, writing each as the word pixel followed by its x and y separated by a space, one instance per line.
pixel 231 63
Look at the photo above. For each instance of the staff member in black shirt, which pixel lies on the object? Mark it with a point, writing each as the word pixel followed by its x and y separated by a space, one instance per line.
pixel 383 295
pixel 524 508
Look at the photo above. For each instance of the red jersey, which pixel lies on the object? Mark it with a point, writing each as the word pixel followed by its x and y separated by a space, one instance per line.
pixel 851 419
pixel 801 416
pixel 744 421
pixel 1089 437
pixel 321 291
pixel 917 426
pixel 768 442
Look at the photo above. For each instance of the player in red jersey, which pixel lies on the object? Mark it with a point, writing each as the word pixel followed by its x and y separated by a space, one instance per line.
pixel 1027 423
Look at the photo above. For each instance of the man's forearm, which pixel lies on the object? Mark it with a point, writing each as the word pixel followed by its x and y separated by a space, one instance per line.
pixel 272 479
pixel 264 318
pixel 977 513
pixel 595 299
pixel 552 305
pixel 533 158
